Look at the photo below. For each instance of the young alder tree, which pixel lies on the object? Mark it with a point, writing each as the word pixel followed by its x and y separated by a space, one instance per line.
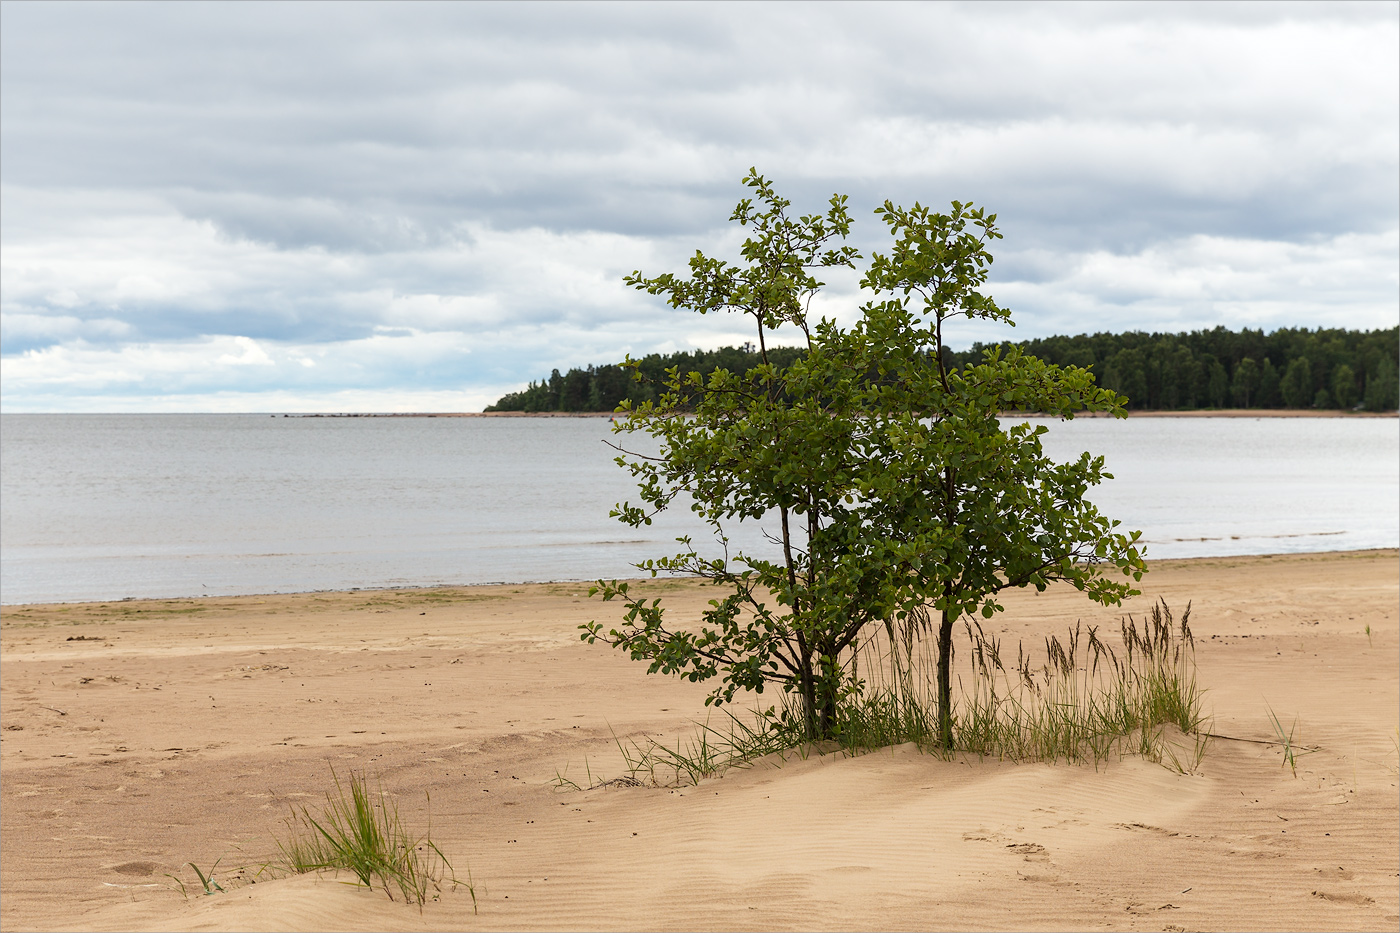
pixel 893 485
pixel 974 507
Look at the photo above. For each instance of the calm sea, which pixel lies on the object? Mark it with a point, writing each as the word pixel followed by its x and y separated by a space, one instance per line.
pixel 111 506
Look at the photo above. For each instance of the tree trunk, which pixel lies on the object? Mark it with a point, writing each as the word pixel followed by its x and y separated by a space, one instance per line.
pixel 808 685
pixel 945 682
pixel 826 709
pixel 819 697
pixel 826 721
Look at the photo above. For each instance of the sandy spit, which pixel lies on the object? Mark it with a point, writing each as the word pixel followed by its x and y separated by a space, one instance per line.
pixel 139 736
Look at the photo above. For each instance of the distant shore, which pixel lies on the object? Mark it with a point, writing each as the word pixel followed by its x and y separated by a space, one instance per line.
pixel 1232 413
pixel 1195 413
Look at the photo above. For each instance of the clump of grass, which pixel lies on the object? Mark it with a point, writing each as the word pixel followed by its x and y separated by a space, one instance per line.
pixel 1288 742
pixel 898 703
pixel 1084 702
pixel 652 763
pixel 206 880
pixel 562 781
pixel 232 877
pixel 709 751
pixel 360 831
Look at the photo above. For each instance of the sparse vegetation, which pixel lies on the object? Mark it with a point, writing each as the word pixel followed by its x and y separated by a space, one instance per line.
pixel 1288 741
pixel 206 880
pixel 1084 702
pixel 709 752
pixel 891 485
pixel 360 831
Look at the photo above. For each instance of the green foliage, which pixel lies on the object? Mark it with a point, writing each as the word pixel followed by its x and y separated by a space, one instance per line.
pixel 1382 391
pixel 1297 386
pixel 708 753
pixel 1246 381
pixel 1344 393
pixel 1087 699
pixel 1269 395
pixel 1217 389
pixel 1288 741
pixel 892 483
pixel 1219 367
pixel 603 388
pixel 1164 372
pixel 206 879
pixel 360 831
pixel 1080 703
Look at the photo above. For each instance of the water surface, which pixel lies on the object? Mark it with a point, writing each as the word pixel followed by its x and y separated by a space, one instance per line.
pixel 111 506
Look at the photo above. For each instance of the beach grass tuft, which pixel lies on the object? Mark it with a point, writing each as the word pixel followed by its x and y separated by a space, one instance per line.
pixel 1288 741
pixel 709 752
pixel 359 830
pixel 1083 701
pixel 206 879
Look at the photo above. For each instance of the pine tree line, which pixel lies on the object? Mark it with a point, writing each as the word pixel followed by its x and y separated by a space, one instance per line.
pixel 1220 368
pixel 602 388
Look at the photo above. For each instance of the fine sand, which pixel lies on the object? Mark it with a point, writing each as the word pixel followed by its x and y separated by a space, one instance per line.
pixel 142 735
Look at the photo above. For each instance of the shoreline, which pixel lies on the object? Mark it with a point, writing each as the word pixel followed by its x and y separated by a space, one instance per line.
pixel 429 588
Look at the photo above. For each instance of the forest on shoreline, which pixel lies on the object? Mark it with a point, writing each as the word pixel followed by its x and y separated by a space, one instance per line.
pixel 1211 369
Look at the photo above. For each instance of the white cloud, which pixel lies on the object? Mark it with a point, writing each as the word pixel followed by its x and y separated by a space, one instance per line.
pixel 249 354
pixel 1194 282
pixel 431 199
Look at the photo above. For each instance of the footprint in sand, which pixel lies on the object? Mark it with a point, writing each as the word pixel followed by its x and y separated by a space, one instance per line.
pixel 140 869
pixel 1355 900
pixel 1033 852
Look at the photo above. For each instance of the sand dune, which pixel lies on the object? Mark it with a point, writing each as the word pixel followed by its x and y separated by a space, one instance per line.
pixel 138 736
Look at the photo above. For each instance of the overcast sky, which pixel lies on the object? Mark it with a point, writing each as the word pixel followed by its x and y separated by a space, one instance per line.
pixel 334 207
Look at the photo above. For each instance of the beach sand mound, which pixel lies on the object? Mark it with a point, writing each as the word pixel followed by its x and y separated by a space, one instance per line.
pixel 141 736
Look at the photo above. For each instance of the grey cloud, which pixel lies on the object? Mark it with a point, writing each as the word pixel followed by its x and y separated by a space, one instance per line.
pixel 618 118
pixel 355 158
pixel 308 320
pixel 299 222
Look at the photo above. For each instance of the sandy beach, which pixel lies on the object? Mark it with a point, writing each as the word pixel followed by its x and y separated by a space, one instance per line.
pixel 139 736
